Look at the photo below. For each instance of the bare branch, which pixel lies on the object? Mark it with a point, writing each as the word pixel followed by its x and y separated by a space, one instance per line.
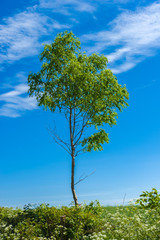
pixel 59 141
pixel 79 151
pixel 84 124
pixel 70 124
pixel 74 120
pixel 78 114
pixel 82 179
pixel 61 145
pixel 58 137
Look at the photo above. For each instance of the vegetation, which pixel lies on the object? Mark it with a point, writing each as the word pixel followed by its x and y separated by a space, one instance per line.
pixel 86 222
pixel 44 222
pixel 149 200
pixel 83 89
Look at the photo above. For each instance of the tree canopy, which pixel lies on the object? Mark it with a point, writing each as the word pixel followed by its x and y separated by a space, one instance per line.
pixel 70 79
pixel 81 87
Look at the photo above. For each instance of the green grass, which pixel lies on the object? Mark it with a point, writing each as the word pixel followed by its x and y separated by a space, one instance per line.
pixel 84 223
pixel 129 223
pixel 128 210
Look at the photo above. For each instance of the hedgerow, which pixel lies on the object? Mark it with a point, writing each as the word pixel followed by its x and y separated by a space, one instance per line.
pixel 140 221
pixel 44 222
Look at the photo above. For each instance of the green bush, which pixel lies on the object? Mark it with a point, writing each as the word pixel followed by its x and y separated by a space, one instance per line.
pixel 44 222
pixel 140 221
pixel 138 225
pixel 150 200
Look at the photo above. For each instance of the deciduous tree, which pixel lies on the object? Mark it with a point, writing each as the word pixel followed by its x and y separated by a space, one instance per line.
pixel 83 89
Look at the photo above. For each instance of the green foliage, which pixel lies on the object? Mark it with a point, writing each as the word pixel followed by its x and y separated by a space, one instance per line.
pixel 44 222
pixel 94 141
pixel 71 80
pixel 150 200
pixel 139 221
pixel 84 222
pixel 128 223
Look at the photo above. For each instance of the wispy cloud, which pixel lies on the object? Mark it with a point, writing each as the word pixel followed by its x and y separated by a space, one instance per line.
pixel 66 6
pixel 15 102
pixel 21 35
pixel 134 35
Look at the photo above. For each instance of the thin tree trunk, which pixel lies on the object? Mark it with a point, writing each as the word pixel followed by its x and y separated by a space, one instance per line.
pixel 72 182
pixel 73 161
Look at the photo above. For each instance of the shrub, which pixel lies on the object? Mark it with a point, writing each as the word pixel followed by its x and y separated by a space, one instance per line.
pixel 44 222
pixel 87 222
pixel 135 222
pixel 150 200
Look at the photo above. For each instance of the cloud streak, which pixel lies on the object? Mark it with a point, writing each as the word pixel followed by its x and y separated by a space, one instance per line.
pixel 135 35
pixel 21 35
pixel 67 6
pixel 15 102
pixel 132 35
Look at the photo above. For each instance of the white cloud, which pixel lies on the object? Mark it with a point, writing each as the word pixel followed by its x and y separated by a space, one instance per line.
pixel 123 1
pixel 15 102
pixel 21 77
pixel 20 35
pixel 134 35
pixel 123 67
pixel 65 6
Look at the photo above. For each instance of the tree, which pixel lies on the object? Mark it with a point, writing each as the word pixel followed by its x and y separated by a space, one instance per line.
pixel 83 89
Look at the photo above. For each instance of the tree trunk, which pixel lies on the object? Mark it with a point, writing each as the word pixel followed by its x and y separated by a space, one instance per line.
pixel 73 160
pixel 72 181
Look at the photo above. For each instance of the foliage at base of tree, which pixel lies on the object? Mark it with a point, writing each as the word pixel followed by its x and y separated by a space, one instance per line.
pixel 85 222
pixel 44 222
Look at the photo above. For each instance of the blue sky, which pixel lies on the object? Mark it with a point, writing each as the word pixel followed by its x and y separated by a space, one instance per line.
pixel 33 168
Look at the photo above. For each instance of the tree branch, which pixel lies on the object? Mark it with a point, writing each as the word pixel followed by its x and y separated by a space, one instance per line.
pixel 78 152
pixel 82 179
pixel 80 132
pixel 59 141
pixel 74 120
